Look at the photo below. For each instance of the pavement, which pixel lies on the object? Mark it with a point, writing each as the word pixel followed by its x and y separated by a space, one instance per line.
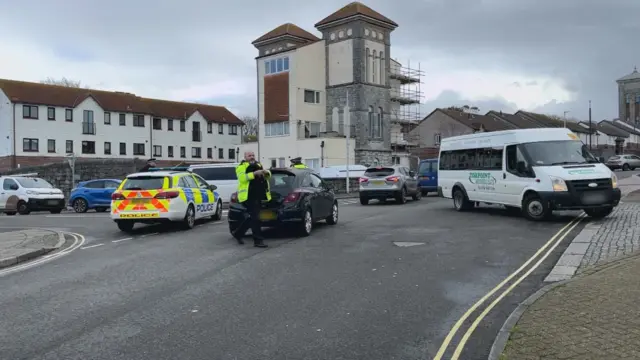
pixel 387 282
pixel 26 244
pixel 590 309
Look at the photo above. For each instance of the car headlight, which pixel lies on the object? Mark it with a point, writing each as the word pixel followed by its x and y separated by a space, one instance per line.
pixel 614 181
pixel 29 192
pixel 558 184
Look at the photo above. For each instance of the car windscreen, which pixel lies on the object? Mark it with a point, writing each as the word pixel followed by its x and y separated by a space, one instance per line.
pixel 425 167
pixel 143 183
pixel 33 183
pixel 281 183
pixel 379 172
pixel 562 152
pixel 216 173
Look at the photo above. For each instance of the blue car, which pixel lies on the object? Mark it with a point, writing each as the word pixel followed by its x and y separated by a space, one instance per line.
pixel 93 194
pixel 428 176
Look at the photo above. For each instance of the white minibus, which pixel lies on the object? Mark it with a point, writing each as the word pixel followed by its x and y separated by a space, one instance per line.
pixel 535 171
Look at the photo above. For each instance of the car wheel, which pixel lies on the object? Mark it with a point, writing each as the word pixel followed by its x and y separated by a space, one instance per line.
pixel 599 213
pixel 333 218
pixel 80 205
pixel 424 193
pixel 23 208
pixel 364 200
pixel 101 209
pixel 218 213
pixel 401 198
pixel 189 220
pixel 625 167
pixel 535 209
pixel 10 213
pixel 307 223
pixel 56 211
pixel 460 200
pixel 417 196
pixel 125 225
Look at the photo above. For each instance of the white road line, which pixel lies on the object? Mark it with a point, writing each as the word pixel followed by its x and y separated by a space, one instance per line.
pixel 125 239
pixel 90 246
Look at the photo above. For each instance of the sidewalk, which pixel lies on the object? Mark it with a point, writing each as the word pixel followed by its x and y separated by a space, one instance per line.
pixel 23 245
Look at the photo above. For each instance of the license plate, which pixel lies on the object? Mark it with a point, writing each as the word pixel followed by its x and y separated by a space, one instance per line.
pixel 138 201
pixel 594 198
pixel 266 215
pixel 52 202
pixel 377 182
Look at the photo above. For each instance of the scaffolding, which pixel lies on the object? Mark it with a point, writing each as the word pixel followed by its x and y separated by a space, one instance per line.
pixel 406 101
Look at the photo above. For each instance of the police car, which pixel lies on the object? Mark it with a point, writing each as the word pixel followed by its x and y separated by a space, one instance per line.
pixel 164 195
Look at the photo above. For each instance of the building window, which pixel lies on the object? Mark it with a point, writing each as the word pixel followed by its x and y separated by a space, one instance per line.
pixel 69 147
pixel 51 145
pixel 196 152
pixel 107 118
pixel 157 124
pixel 274 66
pixel 220 128
pixel 183 152
pixel 209 153
pixel 367 66
pixel 436 138
pixel 170 151
pixel 30 112
pixel 157 150
pixel 311 129
pixel 277 129
pixel 221 153
pixel 68 115
pixel 51 113
pixel 107 148
pixel 30 145
pixel 183 125
pixel 170 124
pixel 375 123
pixel 232 154
pixel 122 119
pixel 382 69
pixel 312 97
pixel 87 116
pixel 88 147
pixel 233 129
pixel 138 120
pixel 209 128
pixel 138 149
pixel 123 148
pixel 374 57
pixel 88 126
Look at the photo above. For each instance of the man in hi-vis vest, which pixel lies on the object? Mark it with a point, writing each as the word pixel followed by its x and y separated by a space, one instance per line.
pixel 297 163
pixel 253 189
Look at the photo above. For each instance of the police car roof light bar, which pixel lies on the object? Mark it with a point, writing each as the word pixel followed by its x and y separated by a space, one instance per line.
pixel 25 175
pixel 175 168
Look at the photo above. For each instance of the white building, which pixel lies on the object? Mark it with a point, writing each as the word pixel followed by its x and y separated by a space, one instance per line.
pixel 330 100
pixel 46 122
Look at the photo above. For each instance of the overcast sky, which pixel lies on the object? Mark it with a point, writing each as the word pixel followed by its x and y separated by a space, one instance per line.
pixel 540 55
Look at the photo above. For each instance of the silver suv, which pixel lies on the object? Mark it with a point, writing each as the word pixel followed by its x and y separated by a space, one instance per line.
pixel 624 162
pixel 384 182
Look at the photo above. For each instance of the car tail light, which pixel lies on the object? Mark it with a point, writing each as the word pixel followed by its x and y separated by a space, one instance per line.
pixel 167 195
pixel 117 196
pixel 292 197
pixel 234 198
pixel 363 180
pixel 393 178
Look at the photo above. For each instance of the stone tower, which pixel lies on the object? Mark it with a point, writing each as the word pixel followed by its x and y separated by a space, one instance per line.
pixel 358 43
pixel 629 97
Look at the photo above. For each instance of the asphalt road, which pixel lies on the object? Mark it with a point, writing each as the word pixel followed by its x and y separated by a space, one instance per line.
pixel 346 292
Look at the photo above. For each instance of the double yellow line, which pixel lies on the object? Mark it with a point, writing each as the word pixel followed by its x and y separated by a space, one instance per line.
pixel 551 244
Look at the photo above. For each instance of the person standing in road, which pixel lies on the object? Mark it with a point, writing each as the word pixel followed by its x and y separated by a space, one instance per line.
pixel 151 163
pixel 297 163
pixel 253 189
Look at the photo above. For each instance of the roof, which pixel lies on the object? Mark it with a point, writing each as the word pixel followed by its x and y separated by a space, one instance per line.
pixel 630 129
pixel 633 76
pixel 550 121
pixel 507 136
pixel 287 29
pixel 476 121
pixel 114 101
pixel 353 9
pixel 516 120
pixel 156 173
pixel 612 130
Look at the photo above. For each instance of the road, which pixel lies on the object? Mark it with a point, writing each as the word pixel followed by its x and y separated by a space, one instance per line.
pixel 346 292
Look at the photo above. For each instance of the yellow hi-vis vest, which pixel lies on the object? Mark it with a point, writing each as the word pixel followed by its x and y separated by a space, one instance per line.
pixel 244 179
pixel 300 166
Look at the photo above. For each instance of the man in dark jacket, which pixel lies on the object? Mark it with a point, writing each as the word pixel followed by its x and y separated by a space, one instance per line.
pixel 253 189
pixel 151 163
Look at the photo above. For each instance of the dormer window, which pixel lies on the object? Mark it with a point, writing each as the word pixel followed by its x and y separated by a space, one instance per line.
pixel 277 65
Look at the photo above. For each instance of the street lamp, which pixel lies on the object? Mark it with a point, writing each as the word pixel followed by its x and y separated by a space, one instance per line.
pixel 71 159
pixel 565 118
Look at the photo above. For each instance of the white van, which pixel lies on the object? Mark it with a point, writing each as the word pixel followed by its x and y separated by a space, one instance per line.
pixel 26 193
pixel 534 171
pixel 221 175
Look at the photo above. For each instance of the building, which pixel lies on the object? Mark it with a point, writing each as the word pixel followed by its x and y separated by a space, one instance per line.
pixel 332 99
pixel 43 123
pixel 629 98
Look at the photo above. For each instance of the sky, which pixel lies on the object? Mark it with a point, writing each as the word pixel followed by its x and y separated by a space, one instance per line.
pixel 537 55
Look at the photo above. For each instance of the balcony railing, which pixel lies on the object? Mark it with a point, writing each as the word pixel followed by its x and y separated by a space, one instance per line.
pixel 88 128
pixel 312 130
pixel 196 135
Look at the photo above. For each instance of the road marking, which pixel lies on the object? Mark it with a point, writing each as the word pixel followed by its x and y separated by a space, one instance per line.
pixel 90 246
pixel 458 324
pixel 78 241
pixel 76 216
pixel 125 239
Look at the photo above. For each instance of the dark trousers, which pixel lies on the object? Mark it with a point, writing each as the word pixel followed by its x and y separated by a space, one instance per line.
pixel 252 221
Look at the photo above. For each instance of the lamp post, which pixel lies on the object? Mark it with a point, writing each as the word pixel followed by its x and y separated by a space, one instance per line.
pixel 71 159
pixel 565 118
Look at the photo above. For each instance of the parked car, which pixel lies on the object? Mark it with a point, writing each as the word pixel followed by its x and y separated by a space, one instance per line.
pixel 93 194
pixel 299 197
pixel 25 193
pixel 223 176
pixel 382 183
pixel 624 162
pixel 428 176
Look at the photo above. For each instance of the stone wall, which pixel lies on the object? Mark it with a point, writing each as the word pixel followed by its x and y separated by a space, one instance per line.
pixel 340 185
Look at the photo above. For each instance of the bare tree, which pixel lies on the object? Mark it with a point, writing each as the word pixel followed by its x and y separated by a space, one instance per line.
pixel 61 82
pixel 250 126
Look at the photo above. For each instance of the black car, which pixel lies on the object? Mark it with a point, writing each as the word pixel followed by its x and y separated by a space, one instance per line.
pixel 299 197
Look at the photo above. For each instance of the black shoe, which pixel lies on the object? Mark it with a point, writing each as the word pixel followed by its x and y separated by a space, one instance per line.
pixel 259 244
pixel 238 238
